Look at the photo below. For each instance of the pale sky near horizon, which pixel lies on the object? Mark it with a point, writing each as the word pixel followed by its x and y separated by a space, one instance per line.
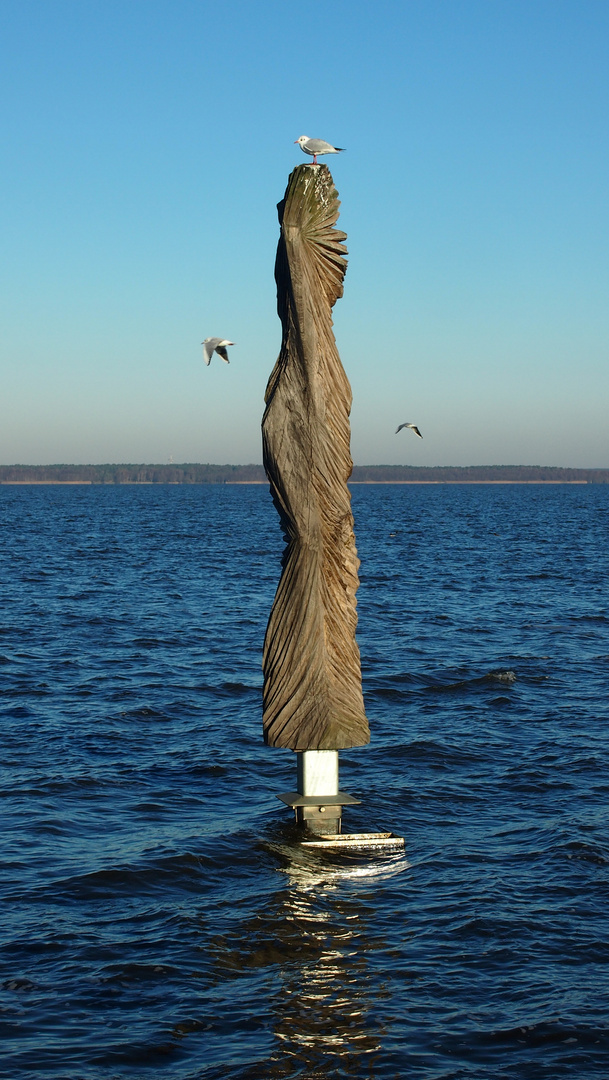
pixel 146 144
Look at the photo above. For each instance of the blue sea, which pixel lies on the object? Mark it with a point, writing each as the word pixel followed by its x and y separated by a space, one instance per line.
pixel 159 918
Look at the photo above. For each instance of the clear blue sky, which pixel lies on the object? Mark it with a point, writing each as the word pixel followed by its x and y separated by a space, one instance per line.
pixel 146 143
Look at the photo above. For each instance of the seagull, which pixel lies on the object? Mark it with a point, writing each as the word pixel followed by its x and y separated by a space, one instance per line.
pixel 317 146
pixel 413 427
pixel 218 345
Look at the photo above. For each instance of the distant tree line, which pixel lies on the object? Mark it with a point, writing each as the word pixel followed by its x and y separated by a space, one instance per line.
pixel 131 474
pixel 250 474
pixel 451 474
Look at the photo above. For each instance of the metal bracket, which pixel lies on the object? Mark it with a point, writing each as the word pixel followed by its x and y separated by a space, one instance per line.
pixel 319 812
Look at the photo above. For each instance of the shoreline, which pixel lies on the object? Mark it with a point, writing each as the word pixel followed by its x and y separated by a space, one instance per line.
pixel 262 483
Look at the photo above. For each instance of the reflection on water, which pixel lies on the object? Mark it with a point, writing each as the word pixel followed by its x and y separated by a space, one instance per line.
pixel 316 936
pixel 321 1009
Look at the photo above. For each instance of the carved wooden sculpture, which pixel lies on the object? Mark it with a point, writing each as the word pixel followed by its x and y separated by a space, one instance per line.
pixel 312 678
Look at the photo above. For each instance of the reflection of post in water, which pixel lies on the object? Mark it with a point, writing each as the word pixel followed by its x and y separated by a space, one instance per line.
pixel 321 1008
pixel 311 948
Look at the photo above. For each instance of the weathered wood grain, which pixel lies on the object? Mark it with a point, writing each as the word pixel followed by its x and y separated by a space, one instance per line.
pixel 312 678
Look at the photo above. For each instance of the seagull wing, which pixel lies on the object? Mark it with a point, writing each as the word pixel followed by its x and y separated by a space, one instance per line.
pixel 320 146
pixel 221 351
pixel 317 146
pixel 413 427
pixel 208 349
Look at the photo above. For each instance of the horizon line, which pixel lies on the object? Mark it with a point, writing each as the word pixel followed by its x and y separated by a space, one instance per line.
pixel 259 465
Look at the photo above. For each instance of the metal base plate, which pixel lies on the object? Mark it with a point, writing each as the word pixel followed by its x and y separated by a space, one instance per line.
pixel 357 841
pixel 294 799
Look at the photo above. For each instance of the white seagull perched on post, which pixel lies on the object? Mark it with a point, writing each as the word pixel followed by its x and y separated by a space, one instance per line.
pixel 413 427
pixel 215 344
pixel 317 146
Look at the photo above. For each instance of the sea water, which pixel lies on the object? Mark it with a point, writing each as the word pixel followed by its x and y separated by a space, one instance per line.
pixel 159 919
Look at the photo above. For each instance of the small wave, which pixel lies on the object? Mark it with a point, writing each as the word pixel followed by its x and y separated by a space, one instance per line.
pixel 206 770
pixel 145 711
pixel 183 872
pixel 232 690
pixel 440 753
pixel 577 849
pixel 557 1033
pixel 501 676
pixel 476 682
pixel 404 684
pixel 19 985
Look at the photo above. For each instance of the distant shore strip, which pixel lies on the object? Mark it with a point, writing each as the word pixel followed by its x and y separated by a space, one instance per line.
pixel 254 474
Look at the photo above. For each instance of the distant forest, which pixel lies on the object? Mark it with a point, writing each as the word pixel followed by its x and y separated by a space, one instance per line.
pixel 253 474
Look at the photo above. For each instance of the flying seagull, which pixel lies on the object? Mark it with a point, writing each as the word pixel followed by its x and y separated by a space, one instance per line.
pixel 218 345
pixel 413 427
pixel 317 146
